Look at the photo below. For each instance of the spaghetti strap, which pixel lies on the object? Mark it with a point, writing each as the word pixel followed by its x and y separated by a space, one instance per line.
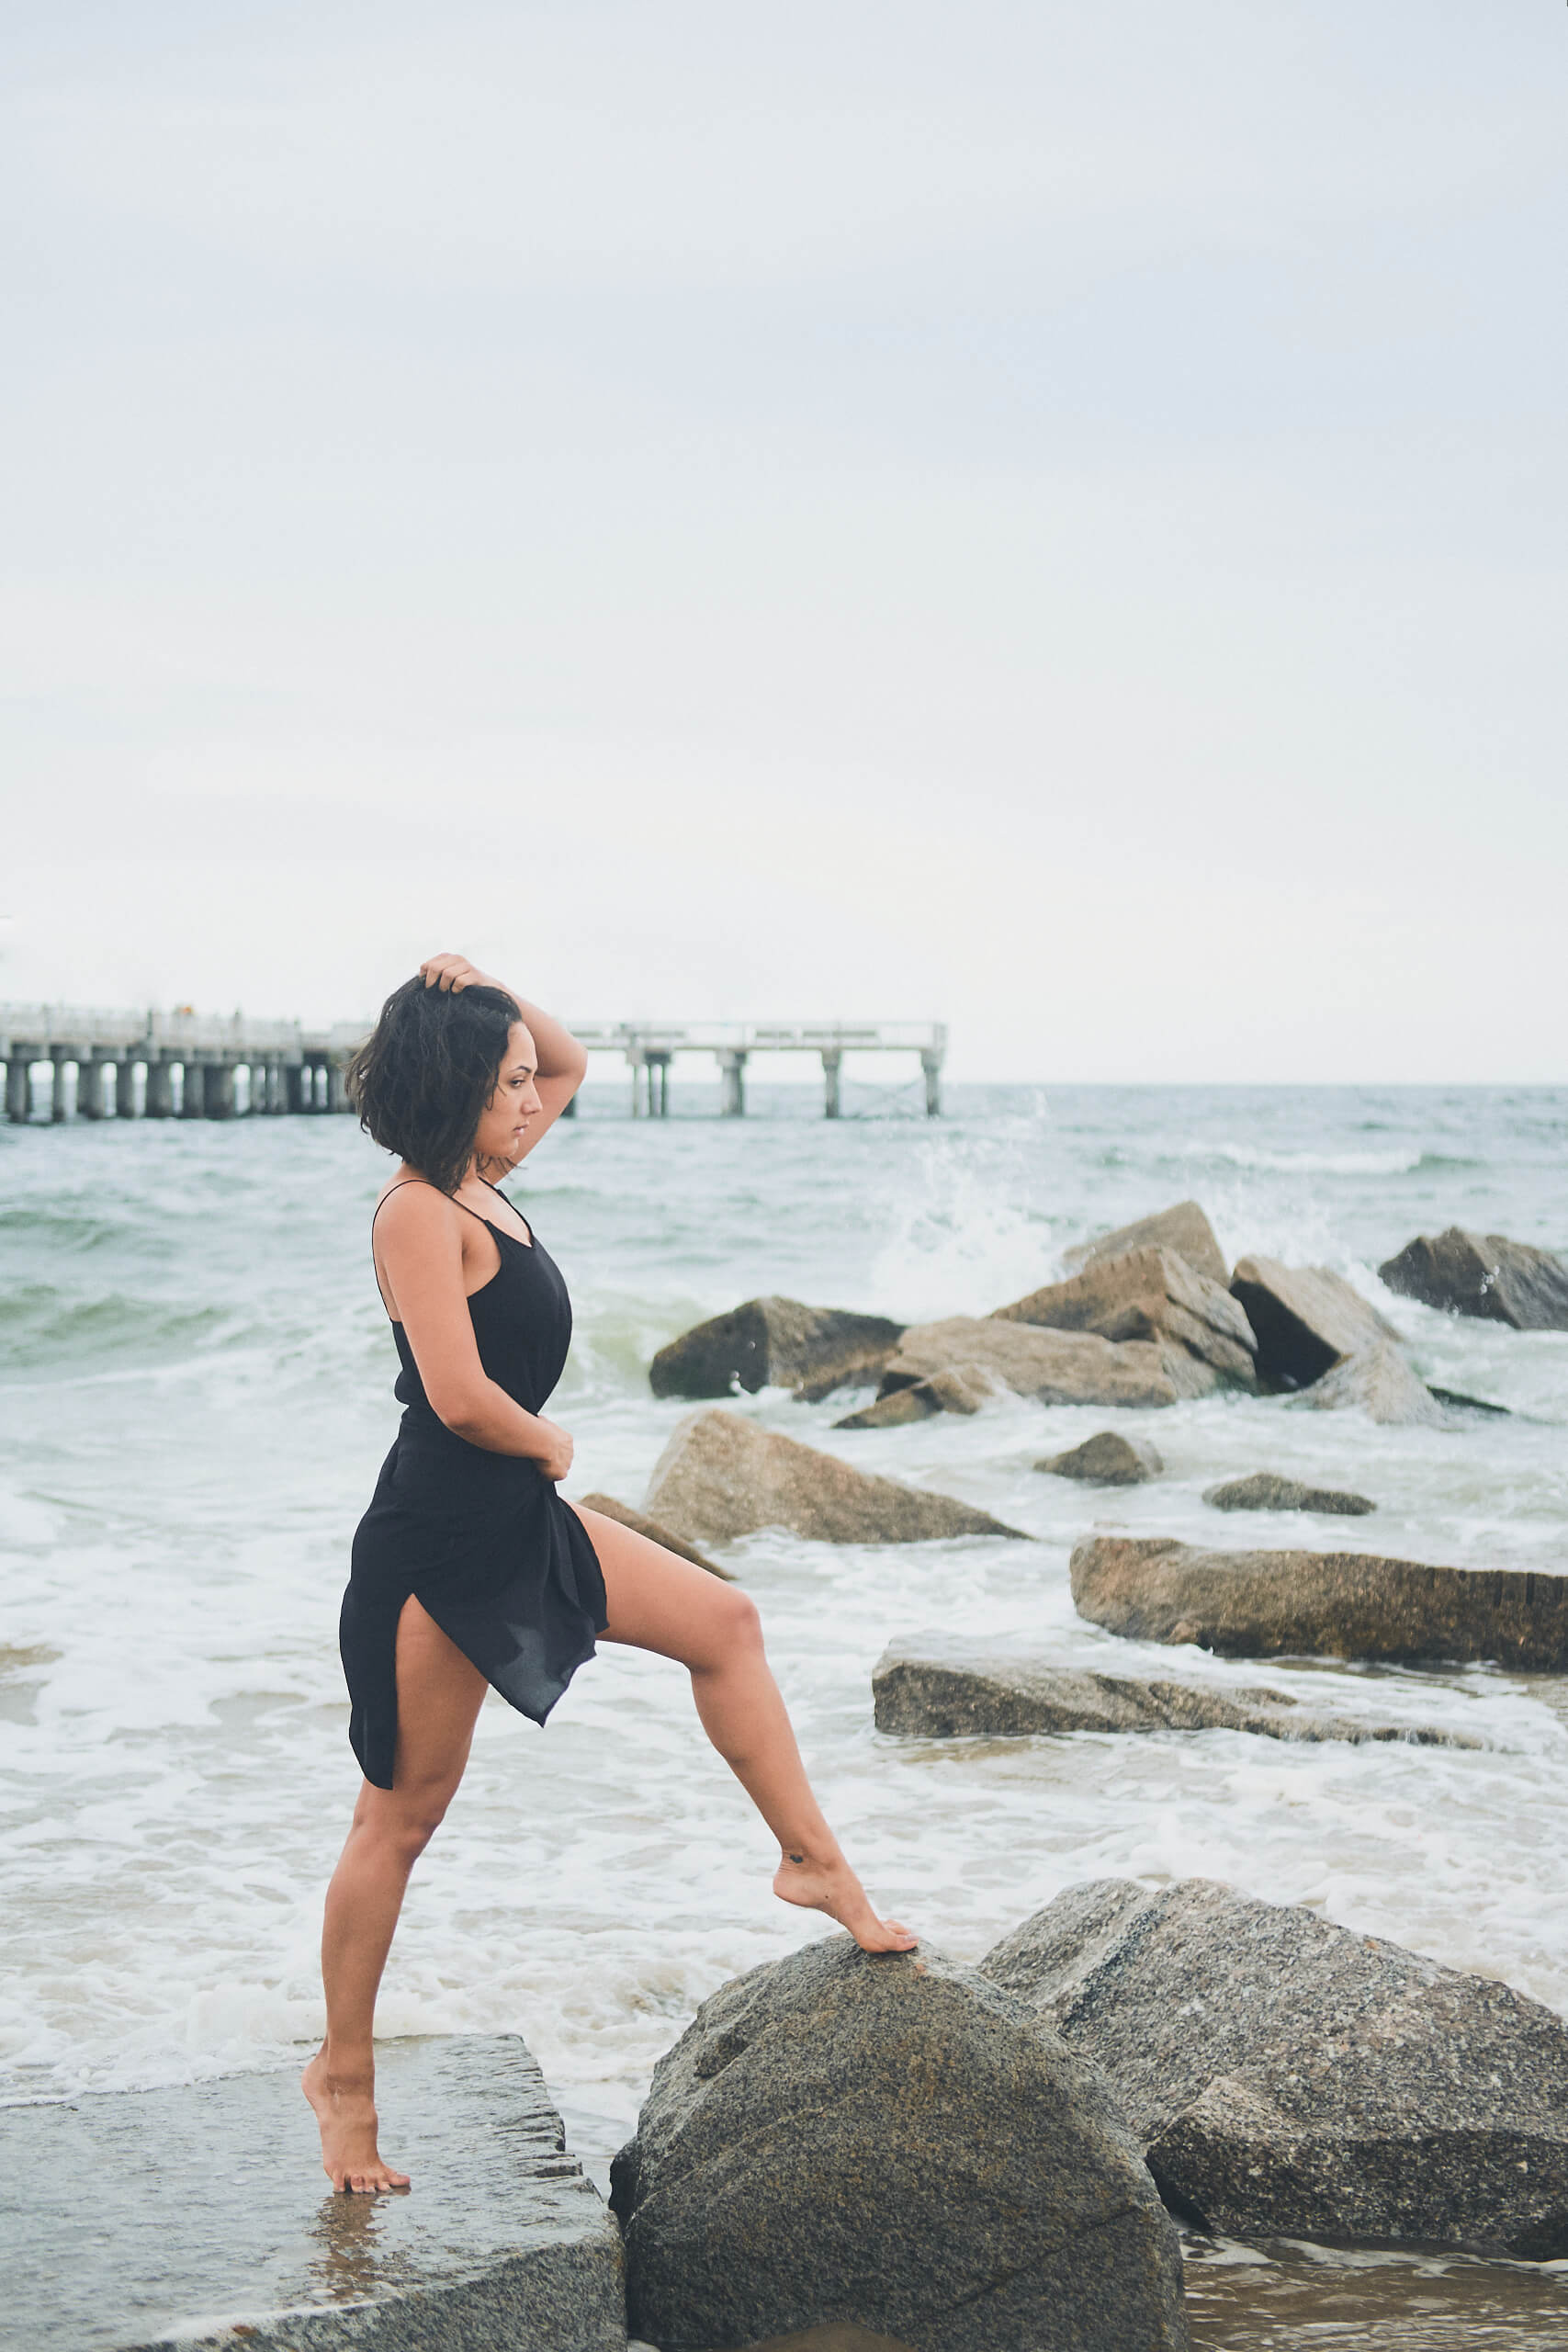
pixel 402 1187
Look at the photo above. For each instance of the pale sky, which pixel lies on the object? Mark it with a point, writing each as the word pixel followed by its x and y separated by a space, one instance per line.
pixel 1044 515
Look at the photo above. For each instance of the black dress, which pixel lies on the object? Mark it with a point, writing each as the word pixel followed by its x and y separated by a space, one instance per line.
pixel 482 1540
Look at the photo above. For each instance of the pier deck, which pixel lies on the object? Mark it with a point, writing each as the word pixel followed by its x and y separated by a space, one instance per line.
pixel 184 1063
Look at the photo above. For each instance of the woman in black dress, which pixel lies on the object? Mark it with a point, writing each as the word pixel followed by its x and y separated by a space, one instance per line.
pixel 469 1568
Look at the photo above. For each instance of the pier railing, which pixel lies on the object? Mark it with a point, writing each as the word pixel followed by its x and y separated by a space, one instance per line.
pixel 184 1063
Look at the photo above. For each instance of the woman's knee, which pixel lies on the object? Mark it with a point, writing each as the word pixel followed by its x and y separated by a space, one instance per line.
pixel 408 1818
pixel 732 1628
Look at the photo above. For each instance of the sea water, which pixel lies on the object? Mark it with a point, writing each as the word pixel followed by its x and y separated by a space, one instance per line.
pixel 197 1375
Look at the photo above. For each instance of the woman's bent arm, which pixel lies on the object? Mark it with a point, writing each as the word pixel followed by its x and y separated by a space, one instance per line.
pixel 563 1064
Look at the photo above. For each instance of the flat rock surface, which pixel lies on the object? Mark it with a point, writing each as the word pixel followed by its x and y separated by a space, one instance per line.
pixel 893 2144
pixel 1148 1295
pixel 1328 1604
pixel 201 2215
pixel 1483 1274
pixel 1267 1490
pixel 1184 1229
pixel 775 1343
pixel 1305 1318
pixel 722 1476
pixel 1053 1367
pixel 1289 2077
pixel 938 1686
pixel 640 1524
pixel 1107 1459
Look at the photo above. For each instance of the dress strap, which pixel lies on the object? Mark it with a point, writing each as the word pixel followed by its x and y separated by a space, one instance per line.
pixel 402 1187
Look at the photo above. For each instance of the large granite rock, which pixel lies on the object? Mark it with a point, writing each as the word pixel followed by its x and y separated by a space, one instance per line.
pixel 1184 1229
pixel 201 2217
pixel 1330 1604
pixel 1148 1295
pixel 1107 1459
pixel 1291 2078
pixel 721 1476
pixel 1305 1318
pixel 894 2143
pixel 656 1533
pixel 775 1343
pixel 1266 1490
pixel 1483 1274
pixel 1052 1368
pixel 1377 1381
pixel 957 1389
pixel 938 1686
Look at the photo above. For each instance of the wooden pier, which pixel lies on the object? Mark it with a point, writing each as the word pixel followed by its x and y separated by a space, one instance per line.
pixel 187 1065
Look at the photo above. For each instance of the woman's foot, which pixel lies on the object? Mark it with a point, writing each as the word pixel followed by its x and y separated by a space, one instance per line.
pixel 346 2109
pixel 832 1886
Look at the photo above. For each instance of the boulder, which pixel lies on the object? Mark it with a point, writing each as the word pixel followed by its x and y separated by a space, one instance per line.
pixel 957 1389
pixel 1291 2078
pixel 1107 1459
pixel 657 1533
pixel 892 2143
pixel 1305 1318
pixel 1378 1382
pixel 775 1343
pixel 1328 1604
pixel 1148 1295
pixel 1483 1274
pixel 1184 1229
pixel 938 1686
pixel 1053 1367
pixel 200 2216
pixel 1266 1490
pixel 721 1476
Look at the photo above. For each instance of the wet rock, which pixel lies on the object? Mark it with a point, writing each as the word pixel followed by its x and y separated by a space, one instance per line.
pixel 1483 1274
pixel 1107 1459
pixel 1053 1367
pixel 938 1686
pixel 1326 1604
pixel 957 1389
pixel 1266 1490
pixel 1305 1318
pixel 199 2215
pixel 1378 1382
pixel 1148 1295
pixel 775 1343
pixel 892 2143
pixel 1184 1229
pixel 1288 2078
pixel 721 1476
pixel 655 1531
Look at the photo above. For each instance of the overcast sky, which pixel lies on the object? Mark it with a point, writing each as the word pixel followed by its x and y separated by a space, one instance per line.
pixel 1042 514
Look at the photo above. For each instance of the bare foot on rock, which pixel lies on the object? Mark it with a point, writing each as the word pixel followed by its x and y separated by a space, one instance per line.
pixel 346 2109
pixel 832 1886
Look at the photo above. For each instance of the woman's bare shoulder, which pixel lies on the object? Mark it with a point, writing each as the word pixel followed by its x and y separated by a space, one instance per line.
pixel 408 1205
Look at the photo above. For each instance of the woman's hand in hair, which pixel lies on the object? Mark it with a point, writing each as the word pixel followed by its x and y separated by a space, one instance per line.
pixel 557 1463
pixel 456 972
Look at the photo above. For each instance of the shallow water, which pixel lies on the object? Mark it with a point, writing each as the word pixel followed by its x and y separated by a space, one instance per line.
pixel 196 1381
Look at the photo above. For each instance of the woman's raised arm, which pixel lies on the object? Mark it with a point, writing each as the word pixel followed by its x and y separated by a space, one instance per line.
pixel 563 1064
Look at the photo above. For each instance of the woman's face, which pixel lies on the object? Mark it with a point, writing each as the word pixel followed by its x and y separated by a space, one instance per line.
pixel 505 1119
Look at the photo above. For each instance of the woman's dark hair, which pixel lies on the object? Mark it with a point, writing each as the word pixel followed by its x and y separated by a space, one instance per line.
pixel 423 1077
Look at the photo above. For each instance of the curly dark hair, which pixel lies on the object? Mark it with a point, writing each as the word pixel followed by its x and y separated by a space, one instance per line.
pixel 427 1071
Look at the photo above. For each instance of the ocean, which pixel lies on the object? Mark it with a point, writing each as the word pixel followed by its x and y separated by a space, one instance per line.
pixel 197 1373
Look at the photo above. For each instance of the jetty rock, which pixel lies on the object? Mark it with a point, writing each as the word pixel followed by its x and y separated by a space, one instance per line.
pixel 1183 1229
pixel 1148 1295
pixel 721 1476
pixel 957 1389
pixel 896 2144
pixel 775 1343
pixel 1266 1490
pixel 198 2217
pixel 1483 1274
pixel 1291 2078
pixel 1324 1604
pixel 937 1686
pixel 656 1531
pixel 1305 1318
pixel 1052 1368
pixel 1107 1459
pixel 1376 1381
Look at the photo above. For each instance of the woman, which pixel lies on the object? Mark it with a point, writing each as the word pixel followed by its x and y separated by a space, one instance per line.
pixel 469 1568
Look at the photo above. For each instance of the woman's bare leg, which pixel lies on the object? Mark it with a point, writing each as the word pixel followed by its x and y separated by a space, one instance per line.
pixel 660 1603
pixel 439 1695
